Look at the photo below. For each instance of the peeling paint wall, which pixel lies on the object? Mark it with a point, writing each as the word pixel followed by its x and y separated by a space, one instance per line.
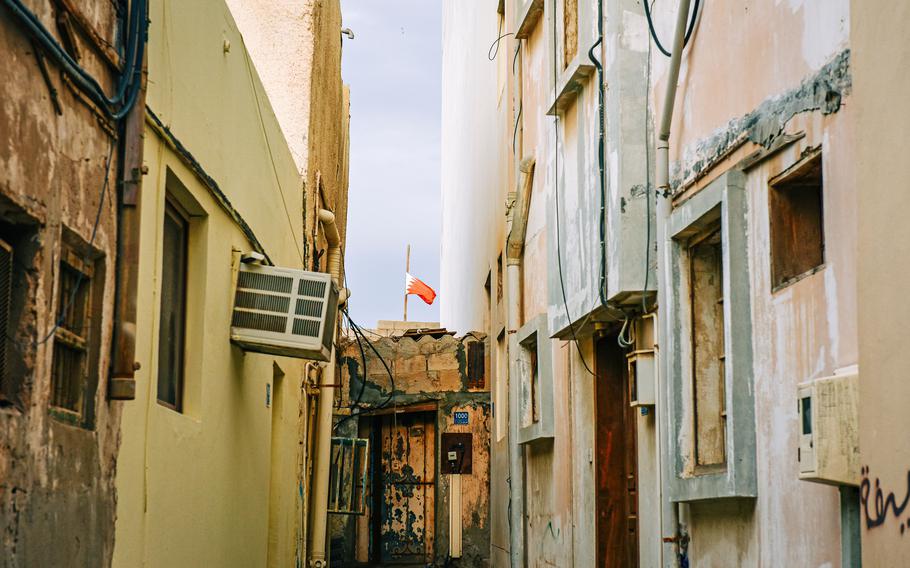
pixel 782 84
pixel 425 370
pixel 57 496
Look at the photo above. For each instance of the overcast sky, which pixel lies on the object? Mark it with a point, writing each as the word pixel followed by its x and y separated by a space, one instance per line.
pixel 393 69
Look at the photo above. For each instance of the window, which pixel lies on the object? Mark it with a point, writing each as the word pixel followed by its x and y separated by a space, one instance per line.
pixel 72 337
pixel 535 374
pixel 19 275
pixel 706 288
pixel 172 326
pixel 476 355
pixel 796 221
pixel 709 369
pixel 569 31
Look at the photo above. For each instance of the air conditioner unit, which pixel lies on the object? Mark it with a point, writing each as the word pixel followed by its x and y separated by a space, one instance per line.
pixel 284 311
pixel 828 435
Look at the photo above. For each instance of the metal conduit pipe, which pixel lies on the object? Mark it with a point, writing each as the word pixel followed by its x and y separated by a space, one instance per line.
pixel 322 455
pixel 662 177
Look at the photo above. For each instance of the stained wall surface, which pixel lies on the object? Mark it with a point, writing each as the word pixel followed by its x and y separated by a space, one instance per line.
pixel 428 373
pixel 58 174
pixel 730 104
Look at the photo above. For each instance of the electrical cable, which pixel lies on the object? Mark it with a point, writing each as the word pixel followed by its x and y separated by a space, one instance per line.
pixel 644 290
pixel 602 283
pixel 81 275
pixel 384 404
pixel 562 285
pixel 130 81
pixel 689 30
pixel 494 47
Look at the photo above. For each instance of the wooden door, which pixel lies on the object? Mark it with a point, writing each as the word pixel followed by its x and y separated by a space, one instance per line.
pixel 617 460
pixel 408 478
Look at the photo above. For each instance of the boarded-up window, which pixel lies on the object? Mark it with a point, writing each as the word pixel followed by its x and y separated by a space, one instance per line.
pixel 171 330
pixel 72 336
pixel 476 365
pixel 796 222
pixel 706 286
pixel 570 31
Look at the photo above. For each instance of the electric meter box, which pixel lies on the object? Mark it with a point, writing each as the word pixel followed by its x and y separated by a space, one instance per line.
pixel 828 435
pixel 284 311
pixel 642 378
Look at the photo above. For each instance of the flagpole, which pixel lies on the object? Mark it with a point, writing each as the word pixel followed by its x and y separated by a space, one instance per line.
pixel 407 270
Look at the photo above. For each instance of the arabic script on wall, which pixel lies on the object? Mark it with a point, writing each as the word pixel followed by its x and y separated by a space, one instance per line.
pixel 877 505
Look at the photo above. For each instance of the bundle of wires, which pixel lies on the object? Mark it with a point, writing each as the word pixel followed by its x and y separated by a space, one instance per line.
pixel 129 83
pixel 356 406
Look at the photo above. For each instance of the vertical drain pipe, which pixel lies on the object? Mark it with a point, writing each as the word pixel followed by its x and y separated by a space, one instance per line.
pixel 662 178
pixel 514 251
pixel 322 456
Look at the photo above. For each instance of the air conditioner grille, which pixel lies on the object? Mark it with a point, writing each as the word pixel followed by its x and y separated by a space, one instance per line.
pixel 310 308
pixel 265 302
pixel 312 288
pixel 265 282
pixel 309 328
pixel 262 322
pixel 284 311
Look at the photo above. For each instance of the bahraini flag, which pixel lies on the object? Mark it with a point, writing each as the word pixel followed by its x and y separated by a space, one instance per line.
pixel 413 285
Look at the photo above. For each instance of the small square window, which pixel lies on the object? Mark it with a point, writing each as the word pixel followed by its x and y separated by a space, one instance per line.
pixel 72 336
pixel 795 206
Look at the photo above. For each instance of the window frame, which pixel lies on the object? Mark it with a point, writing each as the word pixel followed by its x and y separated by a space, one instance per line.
pixel 173 209
pixel 89 271
pixel 780 187
pixel 723 200
pixel 534 333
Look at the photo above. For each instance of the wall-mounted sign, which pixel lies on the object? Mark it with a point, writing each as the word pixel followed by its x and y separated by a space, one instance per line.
pixel 461 417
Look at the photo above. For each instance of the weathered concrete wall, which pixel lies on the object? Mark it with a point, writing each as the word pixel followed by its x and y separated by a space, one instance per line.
pixel 425 370
pixel 882 174
pixel 57 495
pixel 726 109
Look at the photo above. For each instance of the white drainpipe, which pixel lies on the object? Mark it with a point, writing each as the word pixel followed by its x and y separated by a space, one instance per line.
pixel 323 450
pixel 662 178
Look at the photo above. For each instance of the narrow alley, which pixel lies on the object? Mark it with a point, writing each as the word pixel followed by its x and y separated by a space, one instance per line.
pixel 454 283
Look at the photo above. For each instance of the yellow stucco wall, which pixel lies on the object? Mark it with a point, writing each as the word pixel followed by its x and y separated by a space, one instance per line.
pixel 194 487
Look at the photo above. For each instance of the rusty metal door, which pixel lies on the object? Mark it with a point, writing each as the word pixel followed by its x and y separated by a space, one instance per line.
pixel 408 488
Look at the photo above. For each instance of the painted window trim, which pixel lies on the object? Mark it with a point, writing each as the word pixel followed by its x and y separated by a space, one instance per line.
pixel 543 428
pixel 724 199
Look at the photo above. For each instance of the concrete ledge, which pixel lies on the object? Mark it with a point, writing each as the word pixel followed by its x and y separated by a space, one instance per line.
pixel 571 82
pixel 528 17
